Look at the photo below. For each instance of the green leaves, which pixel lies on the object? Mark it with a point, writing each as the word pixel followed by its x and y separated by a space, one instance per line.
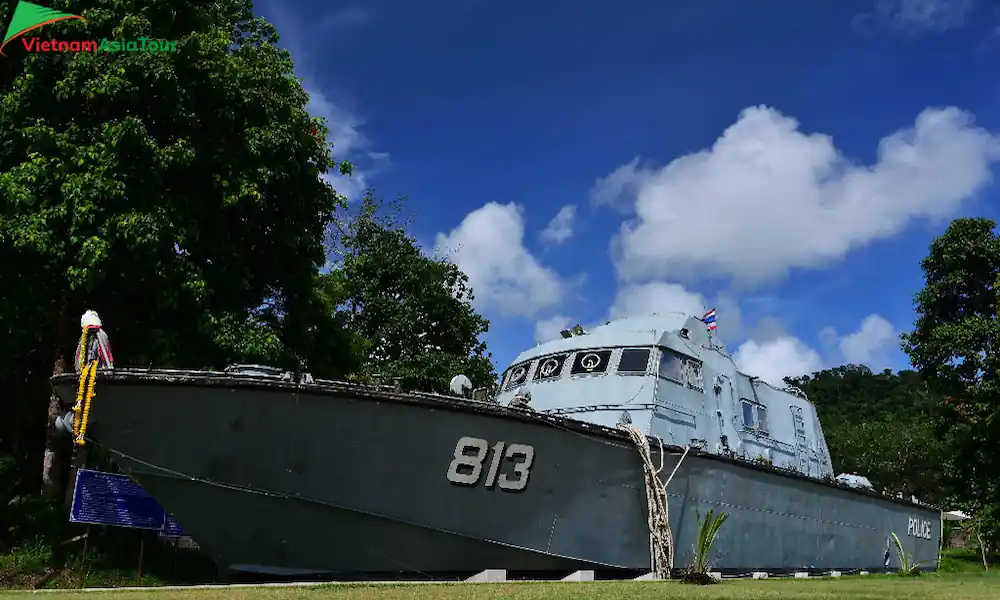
pixel 176 193
pixel 955 345
pixel 882 426
pixel 907 567
pixel 708 532
pixel 415 311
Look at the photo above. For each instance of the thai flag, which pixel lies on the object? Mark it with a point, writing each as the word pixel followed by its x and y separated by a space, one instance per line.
pixel 709 320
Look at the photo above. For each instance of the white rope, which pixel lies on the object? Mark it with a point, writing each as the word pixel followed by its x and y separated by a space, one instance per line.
pixel 660 534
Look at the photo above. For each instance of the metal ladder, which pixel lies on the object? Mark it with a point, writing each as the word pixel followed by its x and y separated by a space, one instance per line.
pixel 801 441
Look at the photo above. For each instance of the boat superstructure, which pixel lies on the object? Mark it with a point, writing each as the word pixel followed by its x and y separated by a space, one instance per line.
pixel 288 472
pixel 667 376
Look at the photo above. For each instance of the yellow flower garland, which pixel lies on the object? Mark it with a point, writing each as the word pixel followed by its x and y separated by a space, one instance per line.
pixel 91 375
pixel 78 407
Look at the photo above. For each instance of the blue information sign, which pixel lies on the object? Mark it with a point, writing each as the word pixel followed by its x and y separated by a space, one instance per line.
pixel 111 499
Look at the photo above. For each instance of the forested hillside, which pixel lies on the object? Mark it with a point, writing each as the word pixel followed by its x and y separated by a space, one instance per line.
pixel 880 425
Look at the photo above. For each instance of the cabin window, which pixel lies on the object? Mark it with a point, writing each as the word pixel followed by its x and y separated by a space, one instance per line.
pixel 694 375
pixel 748 420
pixel 681 369
pixel 755 417
pixel 634 361
pixel 762 420
pixel 588 362
pixel 518 375
pixel 550 367
pixel 671 366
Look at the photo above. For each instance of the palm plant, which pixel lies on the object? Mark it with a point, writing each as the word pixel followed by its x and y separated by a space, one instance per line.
pixel 906 565
pixel 708 532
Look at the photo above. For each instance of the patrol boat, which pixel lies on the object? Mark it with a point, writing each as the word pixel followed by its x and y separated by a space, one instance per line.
pixel 597 452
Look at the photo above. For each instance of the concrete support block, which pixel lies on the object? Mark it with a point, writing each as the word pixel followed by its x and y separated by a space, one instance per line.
pixel 802 575
pixel 489 575
pixel 835 573
pixel 716 575
pixel 864 573
pixel 760 575
pixel 579 576
pixel 646 577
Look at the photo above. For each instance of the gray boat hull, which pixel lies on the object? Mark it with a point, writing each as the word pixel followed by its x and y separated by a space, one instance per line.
pixel 340 478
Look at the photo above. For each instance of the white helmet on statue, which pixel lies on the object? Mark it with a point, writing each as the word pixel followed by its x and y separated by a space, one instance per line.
pixel 90 319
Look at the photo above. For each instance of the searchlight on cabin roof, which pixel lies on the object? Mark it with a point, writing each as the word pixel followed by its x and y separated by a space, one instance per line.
pixel 573 331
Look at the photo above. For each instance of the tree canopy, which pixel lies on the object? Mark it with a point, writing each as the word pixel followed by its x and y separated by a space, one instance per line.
pixel 955 345
pixel 879 425
pixel 414 310
pixel 180 195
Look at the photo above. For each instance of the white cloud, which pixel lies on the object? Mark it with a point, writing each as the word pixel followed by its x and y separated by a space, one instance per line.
pixel 656 297
pixel 916 16
pixel 299 36
pixel 640 300
pixel 488 245
pixel 766 197
pixel 549 329
pixel 776 359
pixel 773 354
pixel 560 228
pixel 869 344
pixel 349 143
pixel 616 188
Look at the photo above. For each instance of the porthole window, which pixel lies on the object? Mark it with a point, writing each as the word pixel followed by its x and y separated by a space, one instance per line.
pixel 590 362
pixel 518 375
pixel 634 361
pixel 550 367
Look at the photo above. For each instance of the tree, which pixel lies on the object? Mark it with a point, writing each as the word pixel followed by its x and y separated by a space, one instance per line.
pixel 955 345
pixel 176 193
pixel 414 312
pixel 880 425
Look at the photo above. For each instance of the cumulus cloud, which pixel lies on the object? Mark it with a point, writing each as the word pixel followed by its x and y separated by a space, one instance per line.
pixel 873 340
pixel 776 359
pixel 656 297
pixel 488 245
pixel 560 228
pixel 640 300
pixel 767 197
pixel 778 355
pixel 549 329
pixel 617 187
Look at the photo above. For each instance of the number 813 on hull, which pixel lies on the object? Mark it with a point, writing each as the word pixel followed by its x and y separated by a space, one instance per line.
pixel 509 465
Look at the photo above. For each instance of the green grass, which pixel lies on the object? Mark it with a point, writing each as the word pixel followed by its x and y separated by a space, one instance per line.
pixel 961 577
pixel 962 586
pixel 966 560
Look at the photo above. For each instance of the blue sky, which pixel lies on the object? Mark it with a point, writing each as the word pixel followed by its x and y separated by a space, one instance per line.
pixel 785 162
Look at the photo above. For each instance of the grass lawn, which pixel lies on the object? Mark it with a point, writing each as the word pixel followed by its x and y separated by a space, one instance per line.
pixel 956 586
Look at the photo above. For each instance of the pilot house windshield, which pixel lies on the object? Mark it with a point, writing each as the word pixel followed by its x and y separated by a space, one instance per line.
pixel 671 366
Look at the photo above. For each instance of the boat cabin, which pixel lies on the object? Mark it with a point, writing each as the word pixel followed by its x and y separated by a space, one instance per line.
pixel 666 375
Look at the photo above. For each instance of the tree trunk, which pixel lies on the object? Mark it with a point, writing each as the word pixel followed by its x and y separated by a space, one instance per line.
pixel 54 460
pixel 78 461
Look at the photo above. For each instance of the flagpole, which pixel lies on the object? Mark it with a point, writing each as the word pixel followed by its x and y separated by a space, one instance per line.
pixel 709 326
